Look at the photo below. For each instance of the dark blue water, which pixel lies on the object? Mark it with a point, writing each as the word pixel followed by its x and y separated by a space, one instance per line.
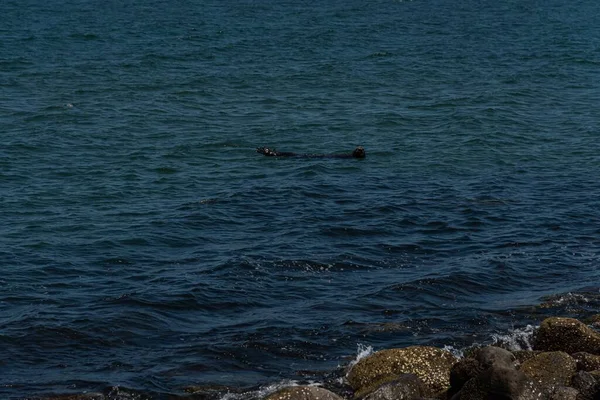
pixel 145 244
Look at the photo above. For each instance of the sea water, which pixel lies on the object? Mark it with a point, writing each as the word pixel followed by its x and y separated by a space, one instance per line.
pixel 145 244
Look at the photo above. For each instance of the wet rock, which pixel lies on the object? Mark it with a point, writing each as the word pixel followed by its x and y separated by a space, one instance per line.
pixel 550 369
pixel 303 393
pixel 430 364
pixel 496 382
pixel 586 361
pixel 568 335
pixel 406 387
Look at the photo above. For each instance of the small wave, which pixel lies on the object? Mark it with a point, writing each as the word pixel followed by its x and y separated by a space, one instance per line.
pixel 362 351
pixel 516 339
pixel 458 353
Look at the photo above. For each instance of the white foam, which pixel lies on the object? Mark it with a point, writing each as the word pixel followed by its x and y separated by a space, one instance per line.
pixel 362 351
pixel 458 353
pixel 516 339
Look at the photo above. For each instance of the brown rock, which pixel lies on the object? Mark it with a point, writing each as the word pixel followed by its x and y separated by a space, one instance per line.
pixel 303 393
pixel 430 364
pixel 550 369
pixel 568 335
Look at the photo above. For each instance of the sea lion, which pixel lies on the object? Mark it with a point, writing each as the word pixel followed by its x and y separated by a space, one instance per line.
pixel 359 152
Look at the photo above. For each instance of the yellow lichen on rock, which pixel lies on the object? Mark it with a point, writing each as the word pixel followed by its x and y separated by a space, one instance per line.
pixel 430 364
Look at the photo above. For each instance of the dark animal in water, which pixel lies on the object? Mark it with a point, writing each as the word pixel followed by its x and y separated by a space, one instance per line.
pixel 359 152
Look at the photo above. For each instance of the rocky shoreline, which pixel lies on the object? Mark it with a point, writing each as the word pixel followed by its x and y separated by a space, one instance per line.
pixel 564 364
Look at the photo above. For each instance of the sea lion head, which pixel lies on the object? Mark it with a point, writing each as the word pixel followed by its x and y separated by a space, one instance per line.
pixel 359 152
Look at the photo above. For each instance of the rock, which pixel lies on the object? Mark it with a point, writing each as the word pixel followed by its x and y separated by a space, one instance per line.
pixel 303 393
pixel 430 364
pixel 496 382
pixel 563 393
pixel 533 391
pixel 406 387
pixel 586 384
pixel 524 355
pixel 477 362
pixel 463 371
pixel 595 374
pixel 594 321
pixel 568 335
pixel 550 369
pixel 586 361
pixel 492 355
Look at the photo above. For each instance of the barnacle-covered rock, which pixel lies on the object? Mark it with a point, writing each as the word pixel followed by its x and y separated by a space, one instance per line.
pixel 430 364
pixel 550 369
pixel 568 335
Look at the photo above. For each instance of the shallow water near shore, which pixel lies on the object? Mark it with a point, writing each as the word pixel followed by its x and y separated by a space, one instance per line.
pixel 145 244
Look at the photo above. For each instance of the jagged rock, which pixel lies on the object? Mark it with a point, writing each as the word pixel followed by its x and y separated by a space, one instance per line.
pixel 496 382
pixel 430 364
pixel 587 361
pixel 586 384
pixel 568 335
pixel 303 393
pixel 406 387
pixel 550 369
